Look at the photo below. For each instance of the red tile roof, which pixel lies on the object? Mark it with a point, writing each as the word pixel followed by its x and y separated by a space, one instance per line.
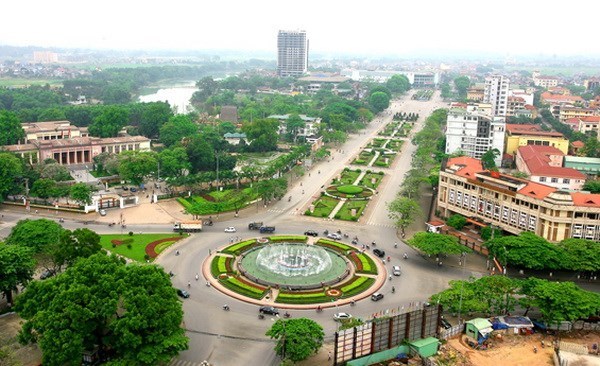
pixel 536 190
pixel 529 107
pixel 559 98
pixel 538 162
pixel 578 144
pixel 470 166
pixel 511 127
pixel 585 199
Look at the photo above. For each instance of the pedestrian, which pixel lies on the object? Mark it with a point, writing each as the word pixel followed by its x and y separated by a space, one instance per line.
pixel 209 252
pixel 329 356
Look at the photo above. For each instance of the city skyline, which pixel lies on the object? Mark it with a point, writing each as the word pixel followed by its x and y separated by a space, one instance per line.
pixel 430 27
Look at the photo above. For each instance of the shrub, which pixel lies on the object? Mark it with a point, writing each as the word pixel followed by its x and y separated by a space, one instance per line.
pixel 129 246
pixel 349 189
pixel 302 297
pixel 244 288
pixel 146 257
pixel 358 285
pixel 114 245
pixel 131 233
pixel 240 247
pixel 457 221
pixel 300 238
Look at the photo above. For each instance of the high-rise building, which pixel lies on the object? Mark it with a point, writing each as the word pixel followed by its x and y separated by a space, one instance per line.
pixel 473 131
pixel 496 94
pixel 292 53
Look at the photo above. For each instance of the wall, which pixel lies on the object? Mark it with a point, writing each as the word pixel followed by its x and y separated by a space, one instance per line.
pixel 379 356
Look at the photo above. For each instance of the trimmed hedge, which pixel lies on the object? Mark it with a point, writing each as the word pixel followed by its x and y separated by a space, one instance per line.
pixel 349 189
pixel 220 265
pixel 340 247
pixel 238 248
pixel 243 288
pixel 368 266
pixel 302 298
pixel 358 285
pixel 292 238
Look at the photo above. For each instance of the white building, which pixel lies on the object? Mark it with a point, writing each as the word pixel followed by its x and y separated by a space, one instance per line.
pixel 528 97
pixel 311 124
pixel 472 131
pixel 496 93
pixel 292 53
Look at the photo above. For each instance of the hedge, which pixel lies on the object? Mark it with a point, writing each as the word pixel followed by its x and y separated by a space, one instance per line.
pixel 244 288
pixel 240 247
pixel 349 189
pixel 300 238
pixel 358 285
pixel 334 245
pixel 303 298
pixel 368 266
pixel 220 265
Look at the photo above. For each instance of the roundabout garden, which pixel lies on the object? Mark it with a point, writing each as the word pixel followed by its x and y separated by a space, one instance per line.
pixel 287 269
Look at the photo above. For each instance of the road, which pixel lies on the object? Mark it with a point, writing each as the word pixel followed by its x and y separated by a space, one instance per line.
pixel 238 336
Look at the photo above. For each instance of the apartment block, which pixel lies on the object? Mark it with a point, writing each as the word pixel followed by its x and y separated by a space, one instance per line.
pixel 496 94
pixel 292 53
pixel 516 205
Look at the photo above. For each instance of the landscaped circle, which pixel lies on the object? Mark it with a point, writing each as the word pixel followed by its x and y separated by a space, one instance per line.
pixel 293 264
pixel 349 189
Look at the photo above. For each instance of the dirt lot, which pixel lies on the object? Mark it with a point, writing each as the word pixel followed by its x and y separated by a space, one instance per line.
pixel 512 350
pixel 11 352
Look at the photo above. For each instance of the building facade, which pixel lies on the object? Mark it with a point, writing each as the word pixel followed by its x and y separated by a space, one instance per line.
pixel 496 93
pixel 544 164
pixel 516 205
pixel 523 135
pixel 473 132
pixel 292 53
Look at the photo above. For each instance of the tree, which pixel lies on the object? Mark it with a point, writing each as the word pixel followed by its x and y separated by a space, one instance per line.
pixel 136 165
pixel 207 88
pixel 262 134
pixel 81 193
pixel 487 233
pixel 176 129
pixel 11 130
pixel 39 235
pixel 488 159
pixel 297 339
pixel 174 162
pixel 526 250
pixel 380 88
pixel 457 221
pixel 293 125
pixel 109 122
pixel 462 84
pixel 436 244
pixel 201 154
pixel 81 243
pixel 398 83
pixel 579 255
pixel 11 169
pixel 116 94
pixel 559 301
pixel 16 270
pixel 131 310
pixel 364 115
pixel 42 188
pixel 379 101
pixel 592 185
pixel 154 116
pixel 404 211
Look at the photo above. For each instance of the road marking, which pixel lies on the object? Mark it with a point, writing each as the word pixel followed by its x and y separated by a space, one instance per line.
pixel 371 223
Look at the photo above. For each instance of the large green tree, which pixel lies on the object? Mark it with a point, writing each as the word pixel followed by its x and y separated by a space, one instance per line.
pixel 136 165
pixel 11 130
pixel 457 221
pixel 379 101
pixel 16 268
pixel 293 126
pixel 131 310
pixel 109 122
pixel 436 244
pixel 201 154
pixel 262 134
pixel 80 243
pixel 297 339
pixel 176 129
pixel 404 211
pixel 39 235
pixel 579 255
pixel 526 250
pixel 398 83
pixel 11 169
pixel 462 84
pixel 81 193
pixel 174 162
pixel 592 185
pixel 154 116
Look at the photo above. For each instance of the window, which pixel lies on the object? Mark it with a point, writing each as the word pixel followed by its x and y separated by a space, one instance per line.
pixel 566 181
pixel 554 180
pixel 542 179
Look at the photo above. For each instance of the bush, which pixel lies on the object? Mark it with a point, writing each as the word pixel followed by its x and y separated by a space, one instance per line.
pixel 356 286
pixel 457 221
pixel 129 246
pixel 243 288
pixel 131 233
pixel 349 189
pixel 114 245
pixel 146 257
pixel 302 298
pixel 240 247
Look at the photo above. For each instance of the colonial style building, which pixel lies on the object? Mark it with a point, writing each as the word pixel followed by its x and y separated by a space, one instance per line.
pixel 544 164
pixel 514 204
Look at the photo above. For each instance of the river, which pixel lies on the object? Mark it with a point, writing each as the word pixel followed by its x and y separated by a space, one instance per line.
pixel 176 94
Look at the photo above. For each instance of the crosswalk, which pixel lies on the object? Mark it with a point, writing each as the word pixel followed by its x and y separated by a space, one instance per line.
pixel 178 362
pixel 371 223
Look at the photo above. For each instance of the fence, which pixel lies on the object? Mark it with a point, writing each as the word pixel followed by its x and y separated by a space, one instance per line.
pixel 453 331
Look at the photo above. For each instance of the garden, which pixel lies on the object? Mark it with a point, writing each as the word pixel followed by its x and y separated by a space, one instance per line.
pixel 223 269
pixel 215 202
pixel 389 129
pixel 351 210
pixel 424 94
pixel 138 247
pixel 365 157
pixel 322 207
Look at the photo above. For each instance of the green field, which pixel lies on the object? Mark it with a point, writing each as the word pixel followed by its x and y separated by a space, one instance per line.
pixel 216 202
pixel 323 207
pixel 138 245
pixel 345 212
pixel 22 82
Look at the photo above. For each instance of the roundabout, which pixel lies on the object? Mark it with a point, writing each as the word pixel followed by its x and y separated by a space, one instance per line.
pixel 293 271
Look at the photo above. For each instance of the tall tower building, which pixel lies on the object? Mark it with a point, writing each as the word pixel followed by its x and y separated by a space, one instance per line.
pixel 292 53
pixel 496 94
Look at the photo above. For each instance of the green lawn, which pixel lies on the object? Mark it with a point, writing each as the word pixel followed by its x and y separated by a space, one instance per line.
pixel 23 82
pixel 323 207
pixel 138 245
pixel 349 176
pixel 366 181
pixel 218 201
pixel 345 212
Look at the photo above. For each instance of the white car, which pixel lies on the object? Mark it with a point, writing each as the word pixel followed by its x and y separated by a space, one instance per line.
pixel 230 229
pixel 334 236
pixel 342 316
pixel 102 212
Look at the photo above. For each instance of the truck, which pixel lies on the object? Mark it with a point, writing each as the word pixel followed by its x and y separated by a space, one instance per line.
pixel 254 225
pixel 267 229
pixel 188 226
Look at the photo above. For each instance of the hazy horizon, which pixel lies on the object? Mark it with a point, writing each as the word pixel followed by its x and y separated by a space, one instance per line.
pixel 427 28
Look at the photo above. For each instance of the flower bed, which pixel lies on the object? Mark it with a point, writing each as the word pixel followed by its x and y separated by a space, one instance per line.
pixel 357 285
pixel 323 207
pixel 122 242
pixel 367 264
pixel 289 238
pixel 342 248
pixel 238 248
pixel 302 297
pixel 244 288
pixel 345 212
pixel 221 265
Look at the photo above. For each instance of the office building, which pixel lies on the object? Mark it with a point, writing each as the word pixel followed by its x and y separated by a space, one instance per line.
pixel 292 53
pixel 473 131
pixel 496 93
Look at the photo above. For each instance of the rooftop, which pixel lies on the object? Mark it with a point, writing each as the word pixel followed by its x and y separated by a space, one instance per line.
pixel 530 129
pixel 537 159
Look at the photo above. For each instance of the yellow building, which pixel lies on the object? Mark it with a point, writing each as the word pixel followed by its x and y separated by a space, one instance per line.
pixel 523 135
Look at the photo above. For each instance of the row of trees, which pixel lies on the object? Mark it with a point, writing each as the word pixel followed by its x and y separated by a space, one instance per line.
pixel 493 295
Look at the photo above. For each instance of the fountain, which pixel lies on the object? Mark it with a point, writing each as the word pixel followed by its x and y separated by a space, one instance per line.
pixel 294 260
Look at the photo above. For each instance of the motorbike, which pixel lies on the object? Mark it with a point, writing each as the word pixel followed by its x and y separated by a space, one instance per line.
pixel 208 223
pixel 287 315
pixel 261 316
pixel 111 224
pixel 61 220
pixel 319 309
pixel 123 226
pixel 326 232
pixel 354 241
pixel 345 235
pixel 339 232
pixel 289 198
pixel 405 256
pixel 352 303
pixel 226 307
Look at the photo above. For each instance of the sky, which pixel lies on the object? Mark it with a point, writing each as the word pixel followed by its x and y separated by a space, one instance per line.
pixel 393 27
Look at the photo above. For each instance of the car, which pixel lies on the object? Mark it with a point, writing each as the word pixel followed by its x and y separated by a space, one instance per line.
pixel 266 229
pixel 125 188
pixel 445 324
pixel 102 212
pixel 183 293
pixel 378 252
pixel 230 229
pixel 133 189
pixel 268 310
pixel 311 233
pixel 377 296
pixel 334 236
pixel 342 316
pixel 396 270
